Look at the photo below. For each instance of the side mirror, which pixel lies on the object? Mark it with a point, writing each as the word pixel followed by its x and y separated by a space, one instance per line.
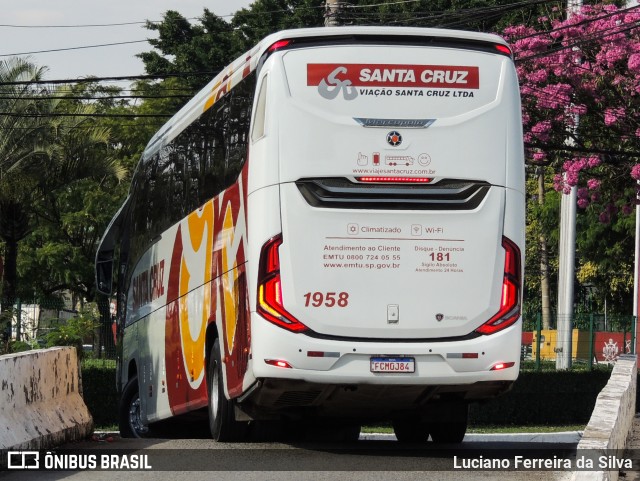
pixel 104 272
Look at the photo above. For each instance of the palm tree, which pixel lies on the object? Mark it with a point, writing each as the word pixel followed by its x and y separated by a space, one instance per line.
pixel 22 131
pixel 47 143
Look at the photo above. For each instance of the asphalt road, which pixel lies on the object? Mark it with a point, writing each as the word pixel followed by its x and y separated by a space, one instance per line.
pixel 372 458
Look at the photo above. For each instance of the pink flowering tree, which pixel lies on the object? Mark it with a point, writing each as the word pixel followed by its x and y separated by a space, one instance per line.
pixel 580 85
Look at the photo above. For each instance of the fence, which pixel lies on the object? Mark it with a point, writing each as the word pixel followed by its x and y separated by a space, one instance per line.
pixel 58 321
pixel 594 338
pixel 590 338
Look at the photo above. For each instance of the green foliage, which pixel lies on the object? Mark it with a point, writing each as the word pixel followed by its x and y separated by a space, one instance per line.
pixel 75 331
pixel 19 346
pixel 476 15
pixel 546 397
pixel 99 390
pixel 604 262
pixel 264 17
pixel 59 252
pixel 537 398
pixel 542 213
pixel 45 156
pixel 8 345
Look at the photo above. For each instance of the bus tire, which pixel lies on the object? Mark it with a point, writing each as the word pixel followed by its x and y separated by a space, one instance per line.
pixel 129 419
pixel 222 422
pixel 351 433
pixel 410 431
pixel 452 428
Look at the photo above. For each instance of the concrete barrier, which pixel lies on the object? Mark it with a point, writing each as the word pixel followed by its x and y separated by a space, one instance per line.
pixel 41 405
pixel 611 420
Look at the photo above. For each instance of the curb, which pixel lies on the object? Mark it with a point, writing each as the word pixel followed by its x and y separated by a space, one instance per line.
pixel 612 418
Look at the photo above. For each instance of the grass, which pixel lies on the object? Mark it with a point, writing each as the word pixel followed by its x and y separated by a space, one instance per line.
pixel 110 428
pixel 113 428
pixel 492 429
pixel 524 429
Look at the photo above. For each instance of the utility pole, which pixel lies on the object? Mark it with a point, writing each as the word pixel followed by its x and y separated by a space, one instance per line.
pixel 636 277
pixel 565 279
pixel 567 257
pixel 331 13
pixel 544 258
pixel 636 264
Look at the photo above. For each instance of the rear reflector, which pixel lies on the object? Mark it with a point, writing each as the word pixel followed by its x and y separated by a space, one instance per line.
pixel 270 302
pixel 462 355
pixel 502 365
pixel 395 180
pixel 278 363
pixel 509 311
pixel 322 354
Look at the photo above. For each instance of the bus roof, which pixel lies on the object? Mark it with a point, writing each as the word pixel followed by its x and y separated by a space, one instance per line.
pixel 246 63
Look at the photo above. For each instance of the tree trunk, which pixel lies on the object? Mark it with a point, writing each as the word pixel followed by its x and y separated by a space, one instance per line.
pixel 10 279
pixel 544 261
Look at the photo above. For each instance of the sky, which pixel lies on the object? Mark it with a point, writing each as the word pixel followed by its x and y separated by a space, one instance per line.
pixel 37 25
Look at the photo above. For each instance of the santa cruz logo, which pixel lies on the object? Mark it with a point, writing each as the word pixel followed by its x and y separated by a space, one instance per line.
pixel 331 86
pixel 394 138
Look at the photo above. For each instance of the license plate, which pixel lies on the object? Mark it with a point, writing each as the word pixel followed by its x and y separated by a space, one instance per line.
pixel 393 364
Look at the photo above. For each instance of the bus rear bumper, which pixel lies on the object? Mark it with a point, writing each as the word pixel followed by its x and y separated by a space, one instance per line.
pixel 336 377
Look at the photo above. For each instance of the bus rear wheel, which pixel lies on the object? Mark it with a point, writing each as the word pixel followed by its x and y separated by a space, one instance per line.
pixel 130 418
pixel 410 431
pixel 451 425
pixel 222 422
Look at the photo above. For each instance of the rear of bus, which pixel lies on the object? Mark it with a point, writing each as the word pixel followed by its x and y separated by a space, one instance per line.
pixel 389 281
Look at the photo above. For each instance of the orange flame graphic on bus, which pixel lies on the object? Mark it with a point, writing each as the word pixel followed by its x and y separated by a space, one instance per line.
pixel 207 283
pixel 195 271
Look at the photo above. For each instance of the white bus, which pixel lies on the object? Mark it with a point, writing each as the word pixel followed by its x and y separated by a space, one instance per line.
pixel 332 229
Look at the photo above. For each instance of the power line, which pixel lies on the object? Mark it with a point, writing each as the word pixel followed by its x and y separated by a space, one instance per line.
pixel 458 16
pixel 97 115
pixel 90 25
pixel 72 48
pixel 584 150
pixel 578 24
pixel 155 22
pixel 578 43
pixel 470 12
pixel 380 4
pixel 105 97
pixel 114 79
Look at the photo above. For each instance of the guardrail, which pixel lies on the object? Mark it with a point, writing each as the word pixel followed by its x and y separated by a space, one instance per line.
pixel 41 405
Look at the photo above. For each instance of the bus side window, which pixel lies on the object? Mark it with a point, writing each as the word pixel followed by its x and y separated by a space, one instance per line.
pixel 261 111
pixel 139 207
pixel 221 139
pixel 237 134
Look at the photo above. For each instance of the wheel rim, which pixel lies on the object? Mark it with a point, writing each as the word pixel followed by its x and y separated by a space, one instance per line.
pixel 213 394
pixel 135 419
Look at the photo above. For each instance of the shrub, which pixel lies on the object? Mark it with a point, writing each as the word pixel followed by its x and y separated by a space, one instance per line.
pixel 545 397
pixel 537 398
pixel 75 330
pixel 99 390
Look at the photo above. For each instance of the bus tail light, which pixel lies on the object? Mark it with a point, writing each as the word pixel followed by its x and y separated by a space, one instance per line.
pixel 509 311
pixel 270 303
pixel 504 50
pixel 279 45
